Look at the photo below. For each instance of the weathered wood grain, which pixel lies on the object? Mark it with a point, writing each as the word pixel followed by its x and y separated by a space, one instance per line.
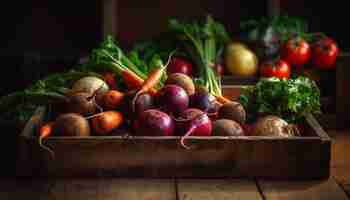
pixel 340 163
pixel 164 157
pixel 113 189
pixel 217 189
pixel 310 190
pixel 88 189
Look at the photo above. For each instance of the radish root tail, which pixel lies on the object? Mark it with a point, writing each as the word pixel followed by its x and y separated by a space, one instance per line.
pixel 133 103
pixel 182 141
pixel 52 153
pixel 292 130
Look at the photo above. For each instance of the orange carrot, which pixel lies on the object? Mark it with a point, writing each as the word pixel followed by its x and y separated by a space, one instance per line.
pixel 112 99
pixel 222 99
pixel 44 132
pixel 131 80
pixel 152 80
pixel 103 123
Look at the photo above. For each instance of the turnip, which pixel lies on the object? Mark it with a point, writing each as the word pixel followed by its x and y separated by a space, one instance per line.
pixel 233 111
pixel 193 122
pixel 153 122
pixel 71 124
pixel 226 127
pixel 82 103
pixel 183 81
pixel 91 84
pixel 173 99
pixel 274 126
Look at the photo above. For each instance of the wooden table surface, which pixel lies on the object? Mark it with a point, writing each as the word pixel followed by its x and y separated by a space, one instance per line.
pixel 335 188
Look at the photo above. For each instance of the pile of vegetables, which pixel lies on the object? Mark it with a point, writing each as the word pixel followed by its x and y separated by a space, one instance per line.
pixel 157 91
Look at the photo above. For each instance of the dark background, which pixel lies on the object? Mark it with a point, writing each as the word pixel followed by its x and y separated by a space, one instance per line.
pixel 39 37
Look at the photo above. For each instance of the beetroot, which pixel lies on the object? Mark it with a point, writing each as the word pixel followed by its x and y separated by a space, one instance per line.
pixel 144 102
pixel 173 99
pixel 153 122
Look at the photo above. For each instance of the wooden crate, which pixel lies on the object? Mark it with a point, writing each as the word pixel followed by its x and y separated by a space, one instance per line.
pixel 217 156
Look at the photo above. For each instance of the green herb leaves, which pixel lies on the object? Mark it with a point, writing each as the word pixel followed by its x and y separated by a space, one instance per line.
pixel 289 99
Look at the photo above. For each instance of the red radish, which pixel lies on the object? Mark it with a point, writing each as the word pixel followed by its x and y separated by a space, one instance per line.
pixel 194 122
pixel 112 99
pixel 180 65
pixel 154 123
pixel 103 123
pixel 173 98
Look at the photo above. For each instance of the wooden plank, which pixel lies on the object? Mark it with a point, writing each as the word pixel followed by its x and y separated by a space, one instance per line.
pixel 164 157
pixel 88 189
pixel 231 91
pixel 138 189
pixel 310 190
pixel 72 189
pixel 346 188
pixel 217 189
pixel 238 80
pixel 317 127
pixel 341 175
pixel 23 189
pixel 341 149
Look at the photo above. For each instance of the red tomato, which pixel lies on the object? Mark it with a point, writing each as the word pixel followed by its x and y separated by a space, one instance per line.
pixel 296 51
pixel 279 69
pixel 324 53
pixel 180 65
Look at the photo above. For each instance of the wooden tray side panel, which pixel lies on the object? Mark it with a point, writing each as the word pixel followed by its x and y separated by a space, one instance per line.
pixel 165 158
